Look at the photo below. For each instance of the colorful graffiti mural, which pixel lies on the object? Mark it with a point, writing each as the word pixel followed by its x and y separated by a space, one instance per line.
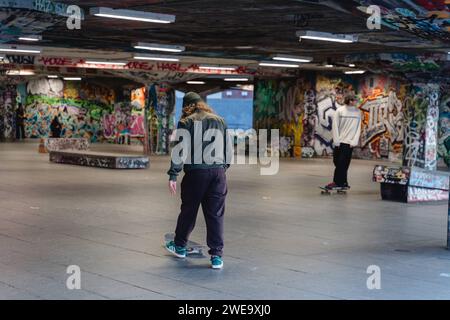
pixel 425 19
pixel 302 111
pixel 124 122
pixel 284 105
pixel 78 118
pixel 329 96
pixel 382 131
pixel 85 111
pixel 400 120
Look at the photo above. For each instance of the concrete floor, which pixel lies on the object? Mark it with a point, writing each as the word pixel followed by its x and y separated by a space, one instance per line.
pixel 283 239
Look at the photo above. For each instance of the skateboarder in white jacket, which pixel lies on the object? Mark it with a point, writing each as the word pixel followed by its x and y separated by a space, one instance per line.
pixel 346 132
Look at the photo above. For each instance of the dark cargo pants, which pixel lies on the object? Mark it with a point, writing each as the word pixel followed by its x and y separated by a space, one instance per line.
pixel 342 157
pixel 208 188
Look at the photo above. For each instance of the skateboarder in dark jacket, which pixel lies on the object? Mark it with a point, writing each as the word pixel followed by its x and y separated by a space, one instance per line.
pixel 204 182
pixel 56 128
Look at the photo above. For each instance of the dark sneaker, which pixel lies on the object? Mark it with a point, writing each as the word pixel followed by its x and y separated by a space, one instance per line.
pixel 177 251
pixel 216 262
pixel 345 186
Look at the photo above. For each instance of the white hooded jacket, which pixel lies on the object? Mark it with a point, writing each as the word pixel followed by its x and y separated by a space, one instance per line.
pixel 346 126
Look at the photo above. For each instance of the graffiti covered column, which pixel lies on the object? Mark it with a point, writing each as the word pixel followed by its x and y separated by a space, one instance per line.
pixel 7 113
pixel 431 130
pixel 422 116
pixel 161 102
pixel 444 127
pixel 448 225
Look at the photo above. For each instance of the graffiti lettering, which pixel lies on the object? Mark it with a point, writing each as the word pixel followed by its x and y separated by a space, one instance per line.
pixel 48 61
pixel 20 59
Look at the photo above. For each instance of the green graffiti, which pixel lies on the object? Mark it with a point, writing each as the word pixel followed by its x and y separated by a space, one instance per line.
pixel 266 100
pixel 95 110
pixel 412 66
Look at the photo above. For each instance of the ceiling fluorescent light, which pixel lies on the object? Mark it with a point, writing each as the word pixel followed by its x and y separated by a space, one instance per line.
pixel 112 63
pixel 224 68
pixel 31 38
pixel 20 72
pixel 72 78
pixel 351 65
pixel 278 64
pixel 19 49
pixel 158 47
pixel 325 36
pixel 292 58
pixel 195 82
pixel 154 58
pixel 329 66
pixel 236 79
pixel 132 15
pixel 52 77
pixel 355 72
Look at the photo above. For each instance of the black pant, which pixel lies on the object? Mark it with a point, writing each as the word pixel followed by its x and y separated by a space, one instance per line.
pixel 207 187
pixel 20 131
pixel 341 157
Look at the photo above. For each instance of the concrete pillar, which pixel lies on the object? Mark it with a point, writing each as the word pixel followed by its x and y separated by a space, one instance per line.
pixel 147 144
pixel 431 129
pixel 421 134
pixel 448 222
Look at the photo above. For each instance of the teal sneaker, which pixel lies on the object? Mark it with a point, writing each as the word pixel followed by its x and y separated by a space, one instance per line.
pixel 177 251
pixel 216 262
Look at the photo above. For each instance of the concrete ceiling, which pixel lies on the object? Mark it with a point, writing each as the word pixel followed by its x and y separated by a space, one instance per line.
pixel 216 28
pixel 244 31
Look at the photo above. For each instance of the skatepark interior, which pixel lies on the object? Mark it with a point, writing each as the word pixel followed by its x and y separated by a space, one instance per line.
pixel 283 238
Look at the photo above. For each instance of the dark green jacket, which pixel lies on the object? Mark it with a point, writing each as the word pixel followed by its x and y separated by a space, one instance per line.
pixel 208 121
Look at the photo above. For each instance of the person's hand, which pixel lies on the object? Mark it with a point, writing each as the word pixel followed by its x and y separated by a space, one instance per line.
pixel 173 187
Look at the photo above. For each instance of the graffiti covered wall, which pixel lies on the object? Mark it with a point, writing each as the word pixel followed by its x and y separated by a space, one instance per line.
pixel 382 131
pixel 400 120
pixel 127 118
pixel 287 105
pixel 427 19
pixel 85 110
pixel 302 110
pixel 330 94
pixel 79 116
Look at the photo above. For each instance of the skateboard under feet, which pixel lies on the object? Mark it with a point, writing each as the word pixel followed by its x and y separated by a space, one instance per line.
pixel 194 249
pixel 338 190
